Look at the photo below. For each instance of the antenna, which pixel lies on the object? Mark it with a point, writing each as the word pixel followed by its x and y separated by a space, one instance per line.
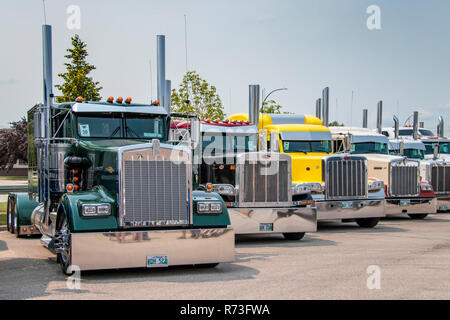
pixel 45 16
pixel 351 111
pixel 151 81
pixel 185 41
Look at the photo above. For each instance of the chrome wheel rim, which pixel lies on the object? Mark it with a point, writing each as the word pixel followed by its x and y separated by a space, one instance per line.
pixel 65 232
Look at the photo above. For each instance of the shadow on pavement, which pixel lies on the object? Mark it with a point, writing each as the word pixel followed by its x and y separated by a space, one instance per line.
pixel 353 227
pixel 275 240
pixel 23 278
pixel 3 245
pixel 178 274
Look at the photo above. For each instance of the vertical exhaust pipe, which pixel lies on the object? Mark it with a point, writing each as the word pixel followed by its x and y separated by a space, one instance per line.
pixel 380 116
pixel 416 125
pixel 47 63
pixel 325 107
pixel 253 104
pixel 396 127
pixel 365 117
pixel 440 127
pixel 319 108
pixel 161 65
pixel 168 95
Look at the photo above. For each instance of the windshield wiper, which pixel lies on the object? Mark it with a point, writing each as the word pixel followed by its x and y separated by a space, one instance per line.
pixel 131 130
pixel 114 132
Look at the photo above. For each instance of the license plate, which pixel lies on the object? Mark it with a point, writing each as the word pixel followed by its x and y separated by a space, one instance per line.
pixel 443 208
pixel 405 202
pixel 266 227
pixel 157 261
pixel 347 204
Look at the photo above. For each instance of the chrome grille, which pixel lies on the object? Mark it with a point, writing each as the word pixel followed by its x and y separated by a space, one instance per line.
pixel 346 177
pixel 440 178
pixel 266 182
pixel 404 179
pixel 155 191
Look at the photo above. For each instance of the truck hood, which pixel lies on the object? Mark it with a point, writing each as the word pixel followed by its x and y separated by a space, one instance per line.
pixel 307 167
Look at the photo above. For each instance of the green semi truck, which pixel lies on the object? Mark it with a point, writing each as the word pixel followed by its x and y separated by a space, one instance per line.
pixel 108 190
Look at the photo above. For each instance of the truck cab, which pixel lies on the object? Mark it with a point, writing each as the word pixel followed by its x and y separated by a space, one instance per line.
pixel 339 183
pixel 110 191
pixel 256 185
pixel 405 192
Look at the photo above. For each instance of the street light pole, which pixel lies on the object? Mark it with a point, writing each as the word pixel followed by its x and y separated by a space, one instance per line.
pixel 279 89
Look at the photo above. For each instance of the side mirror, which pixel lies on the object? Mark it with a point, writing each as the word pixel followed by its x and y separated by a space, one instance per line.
pixel 195 132
pixel 262 140
pixel 347 143
pixel 401 148
pixel 274 141
pixel 435 151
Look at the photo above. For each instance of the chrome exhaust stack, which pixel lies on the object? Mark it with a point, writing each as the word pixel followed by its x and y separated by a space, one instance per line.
pixel 254 104
pixel 396 127
pixel 161 71
pixel 365 117
pixel 416 125
pixel 319 108
pixel 380 116
pixel 440 127
pixel 325 108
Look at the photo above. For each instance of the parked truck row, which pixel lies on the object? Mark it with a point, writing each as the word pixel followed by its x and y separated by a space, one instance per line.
pixel 117 184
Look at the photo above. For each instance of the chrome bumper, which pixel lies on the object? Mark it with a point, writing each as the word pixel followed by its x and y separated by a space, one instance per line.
pixel 331 210
pixel 443 203
pixel 419 206
pixel 273 220
pixel 115 250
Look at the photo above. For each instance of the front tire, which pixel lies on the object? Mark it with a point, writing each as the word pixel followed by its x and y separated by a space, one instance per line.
pixel 64 257
pixel 293 235
pixel 367 222
pixel 419 216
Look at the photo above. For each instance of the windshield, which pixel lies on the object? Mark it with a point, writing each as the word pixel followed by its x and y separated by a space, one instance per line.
pixel 222 144
pixel 444 148
pixel 369 147
pixel 307 146
pixel 410 153
pixel 409 132
pixel 120 126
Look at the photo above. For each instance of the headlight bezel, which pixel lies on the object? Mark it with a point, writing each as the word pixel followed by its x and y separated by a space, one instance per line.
pixel 96 210
pixel 224 189
pixel 300 188
pixel 210 207
pixel 426 187
pixel 375 185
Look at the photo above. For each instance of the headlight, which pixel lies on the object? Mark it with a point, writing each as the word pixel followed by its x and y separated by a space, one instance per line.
pixel 376 185
pixel 315 186
pixel 92 210
pixel 224 189
pixel 300 189
pixel 426 187
pixel 209 207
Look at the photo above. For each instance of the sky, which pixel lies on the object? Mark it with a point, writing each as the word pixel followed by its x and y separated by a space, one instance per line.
pixel 302 45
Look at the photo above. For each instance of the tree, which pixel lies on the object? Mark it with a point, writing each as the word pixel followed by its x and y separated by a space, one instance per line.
pixel 76 80
pixel 335 124
pixel 196 96
pixel 272 107
pixel 13 144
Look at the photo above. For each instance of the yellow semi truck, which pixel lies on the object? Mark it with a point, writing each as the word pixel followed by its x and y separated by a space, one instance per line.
pixel 339 183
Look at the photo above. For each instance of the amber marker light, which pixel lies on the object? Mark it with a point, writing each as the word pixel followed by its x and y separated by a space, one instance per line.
pixel 156 102
pixel 80 99
pixel 119 100
pixel 110 99
pixel 209 187
pixel 128 101
pixel 69 187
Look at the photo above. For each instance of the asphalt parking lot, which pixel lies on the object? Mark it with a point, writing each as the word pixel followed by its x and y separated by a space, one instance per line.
pixel 412 259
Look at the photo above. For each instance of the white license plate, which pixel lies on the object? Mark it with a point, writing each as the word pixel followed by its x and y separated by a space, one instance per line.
pixel 347 204
pixel 157 261
pixel 443 208
pixel 405 202
pixel 266 227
